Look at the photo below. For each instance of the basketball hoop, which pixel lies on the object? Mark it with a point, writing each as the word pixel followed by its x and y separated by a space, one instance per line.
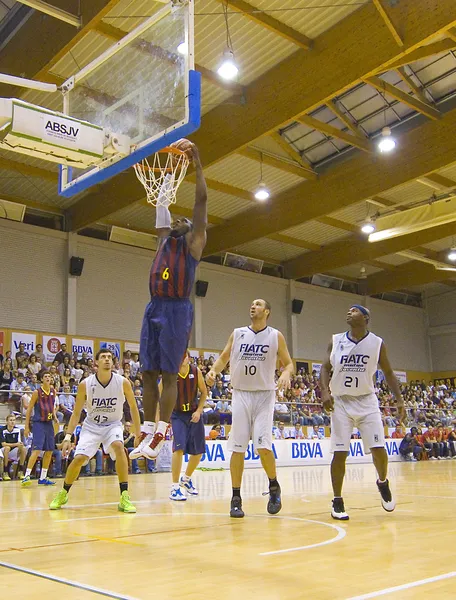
pixel 162 177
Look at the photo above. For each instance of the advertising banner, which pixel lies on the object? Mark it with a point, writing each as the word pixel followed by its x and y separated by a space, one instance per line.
pixel 81 346
pixel 316 367
pixel 214 355
pixel 113 346
pixel 28 339
pixel 290 453
pixel 132 346
pixel 52 344
pixel 401 376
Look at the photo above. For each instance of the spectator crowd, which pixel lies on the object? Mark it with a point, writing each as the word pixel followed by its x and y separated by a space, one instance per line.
pixel 431 407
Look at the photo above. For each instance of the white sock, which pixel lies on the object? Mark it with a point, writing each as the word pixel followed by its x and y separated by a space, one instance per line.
pixel 162 426
pixel 28 472
pixel 149 427
pixel 185 478
pixel 175 486
pixel 44 473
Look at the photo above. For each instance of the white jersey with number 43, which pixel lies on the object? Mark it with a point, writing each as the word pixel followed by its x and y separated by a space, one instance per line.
pixel 253 359
pixel 104 403
pixel 354 364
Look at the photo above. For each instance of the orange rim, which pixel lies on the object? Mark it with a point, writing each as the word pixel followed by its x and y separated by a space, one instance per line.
pixel 165 150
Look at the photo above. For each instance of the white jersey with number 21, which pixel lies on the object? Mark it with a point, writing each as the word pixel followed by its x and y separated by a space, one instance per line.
pixel 104 403
pixel 354 364
pixel 253 359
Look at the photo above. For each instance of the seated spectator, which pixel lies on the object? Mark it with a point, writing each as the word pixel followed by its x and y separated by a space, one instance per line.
pixel 62 354
pixel 34 383
pixel 430 444
pixel 17 388
pixel 34 367
pixel 25 399
pixel 65 377
pixel 13 448
pixel 63 365
pixel 209 414
pixel 279 432
pixel 55 377
pixel 398 433
pixel 78 372
pixel 218 390
pixel 316 433
pixel 22 367
pixel 6 378
pixel 57 454
pixel 441 439
pixel 297 433
pixel 134 365
pixel 40 357
pixel 281 412
pixel 451 439
pixel 66 403
pixel 21 354
pixel 223 410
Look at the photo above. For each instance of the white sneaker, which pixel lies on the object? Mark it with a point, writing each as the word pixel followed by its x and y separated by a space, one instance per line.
pixel 187 484
pixel 177 494
pixel 439 458
pixel 152 447
pixel 146 439
pixel 432 458
pixel 448 457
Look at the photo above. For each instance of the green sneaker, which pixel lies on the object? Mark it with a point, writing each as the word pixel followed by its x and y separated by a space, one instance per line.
pixel 60 499
pixel 26 482
pixel 125 504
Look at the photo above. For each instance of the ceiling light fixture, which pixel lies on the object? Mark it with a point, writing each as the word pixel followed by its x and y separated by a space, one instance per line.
pixel 452 254
pixel 261 193
pixel 368 226
pixel 228 68
pixel 387 143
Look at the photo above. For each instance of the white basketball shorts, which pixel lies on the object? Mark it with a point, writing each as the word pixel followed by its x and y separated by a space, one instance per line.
pixel 253 414
pixel 92 436
pixel 356 411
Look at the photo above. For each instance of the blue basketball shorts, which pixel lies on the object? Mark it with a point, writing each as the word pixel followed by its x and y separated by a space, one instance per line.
pixel 165 333
pixel 43 436
pixel 187 436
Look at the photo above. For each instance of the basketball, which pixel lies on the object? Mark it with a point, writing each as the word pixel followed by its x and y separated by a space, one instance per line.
pixel 213 434
pixel 184 145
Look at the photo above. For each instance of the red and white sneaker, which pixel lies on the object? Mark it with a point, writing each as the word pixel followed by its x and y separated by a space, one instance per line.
pixel 152 450
pixel 144 441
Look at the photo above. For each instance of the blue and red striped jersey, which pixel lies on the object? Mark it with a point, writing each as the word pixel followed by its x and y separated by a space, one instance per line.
pixel 187 390
pixel 43 409
pixel 173 270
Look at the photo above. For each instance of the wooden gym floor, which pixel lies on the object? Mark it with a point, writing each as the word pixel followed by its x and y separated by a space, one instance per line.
pixel 193 550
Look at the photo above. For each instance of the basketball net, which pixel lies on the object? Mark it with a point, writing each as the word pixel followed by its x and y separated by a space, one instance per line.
pixel 162 176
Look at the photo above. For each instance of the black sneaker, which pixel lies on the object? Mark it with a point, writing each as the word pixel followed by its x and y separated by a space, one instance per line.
pixel 338 510
pixel 275 501
pixel 236 508
pixel 388 502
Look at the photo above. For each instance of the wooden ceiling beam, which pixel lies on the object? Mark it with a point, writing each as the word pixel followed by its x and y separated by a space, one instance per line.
pixel 401 71
pixel 279 163
pixel 404 276
pixel 364 176
pixel 341 254
pixel 345 119
pixel 422 107
pixel 288 148
pixel 24 169
pixel 341 58
pixel 50 208
pixel 326 128
pixel 388 22
pixel 419 53
pixel 262 18
pixel 437 182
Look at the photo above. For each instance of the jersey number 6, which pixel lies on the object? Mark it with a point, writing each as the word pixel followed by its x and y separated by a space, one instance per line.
pixel 165 274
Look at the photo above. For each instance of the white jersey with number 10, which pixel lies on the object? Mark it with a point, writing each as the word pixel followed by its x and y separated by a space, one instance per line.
pixel 354 364
pixel 104 403
pixel 253 359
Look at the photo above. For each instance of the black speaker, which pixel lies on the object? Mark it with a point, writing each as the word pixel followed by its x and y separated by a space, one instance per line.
pixel 296 306
pixel 76 265
pixel 201 288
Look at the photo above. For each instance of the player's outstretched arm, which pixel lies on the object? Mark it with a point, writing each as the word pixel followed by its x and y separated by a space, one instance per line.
pixel 202 400
pixel 392 381
pixel 221 362
pixel 287 363
pixel 325 376
pixel 28 414
pixel 200 208
pixel 133 409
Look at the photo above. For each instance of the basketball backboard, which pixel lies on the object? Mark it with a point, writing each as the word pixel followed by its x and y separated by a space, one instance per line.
pixel 143 92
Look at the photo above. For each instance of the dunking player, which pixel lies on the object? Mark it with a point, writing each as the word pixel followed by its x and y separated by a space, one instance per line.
pixel 43 406
pixel 188 428
pixel 104 394
pixel 252 352
pixel 353 357
pixel 169 315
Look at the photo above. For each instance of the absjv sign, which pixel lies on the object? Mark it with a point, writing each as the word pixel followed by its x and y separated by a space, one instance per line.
pixel 80 346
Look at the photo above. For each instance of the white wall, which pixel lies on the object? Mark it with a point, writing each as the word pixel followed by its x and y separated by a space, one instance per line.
pixel 441 310
pixel 113 291
pixel 228 300
pixel 33 270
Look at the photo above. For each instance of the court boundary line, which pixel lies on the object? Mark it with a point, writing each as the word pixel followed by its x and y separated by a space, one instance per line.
pixel 68 582
pixel 404 586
